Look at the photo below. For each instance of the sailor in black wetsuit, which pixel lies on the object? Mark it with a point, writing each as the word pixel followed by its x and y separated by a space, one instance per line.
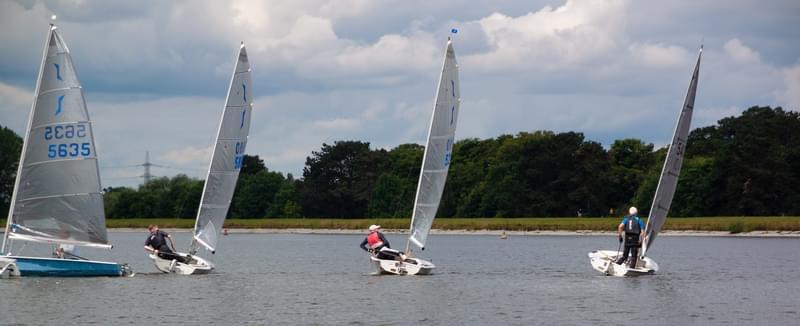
pixel 634 234
pixel 157 244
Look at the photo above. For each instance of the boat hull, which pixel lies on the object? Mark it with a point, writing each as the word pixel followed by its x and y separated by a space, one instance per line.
pixel 410 266
pixel 57 267
pixel 603 261
pixel 8 268
pixel 196 266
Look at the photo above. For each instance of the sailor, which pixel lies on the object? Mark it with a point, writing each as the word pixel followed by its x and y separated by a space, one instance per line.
pixel 377 244
pixel 66 251
pixel 157 244
pixel 634 234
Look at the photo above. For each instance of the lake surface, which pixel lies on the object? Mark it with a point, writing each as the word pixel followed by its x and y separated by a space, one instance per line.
pixel 479 280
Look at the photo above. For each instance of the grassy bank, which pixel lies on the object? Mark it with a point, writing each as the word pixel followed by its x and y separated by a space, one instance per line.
pixel 727 224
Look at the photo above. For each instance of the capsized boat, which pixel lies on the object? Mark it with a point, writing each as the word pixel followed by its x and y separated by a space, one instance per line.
pixel 57 196
pixel 223 172
pixel 435 164
pixel 604 260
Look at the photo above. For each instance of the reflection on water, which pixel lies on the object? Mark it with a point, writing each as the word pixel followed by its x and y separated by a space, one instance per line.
pixel 302 279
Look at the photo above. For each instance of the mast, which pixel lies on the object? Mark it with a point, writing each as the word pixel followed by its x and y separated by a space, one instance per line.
pixel 670 172
pixel 195 240
pixel 428 146
pixel 9 219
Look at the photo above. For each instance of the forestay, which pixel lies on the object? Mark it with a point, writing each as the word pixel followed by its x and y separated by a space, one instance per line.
pixel 668 181
pixel 227 157
pixel 438 150
pixel 57 196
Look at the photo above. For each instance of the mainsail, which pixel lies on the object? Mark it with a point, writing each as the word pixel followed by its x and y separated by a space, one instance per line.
pixel 227 157
pixel 57 196
pixel 438 151
pixel 672 165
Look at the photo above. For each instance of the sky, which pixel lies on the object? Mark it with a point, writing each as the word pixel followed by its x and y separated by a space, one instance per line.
pixel 155 73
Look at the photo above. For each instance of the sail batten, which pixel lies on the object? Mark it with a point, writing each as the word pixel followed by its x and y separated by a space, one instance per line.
pixel 668 181
pixel 438 150
pixel 227 156
pixel 57 195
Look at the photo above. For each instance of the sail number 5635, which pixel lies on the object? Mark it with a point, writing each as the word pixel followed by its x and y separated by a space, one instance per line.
pixel 69 150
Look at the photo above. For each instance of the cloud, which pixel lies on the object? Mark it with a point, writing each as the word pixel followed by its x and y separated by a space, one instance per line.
pixel 659 55
pixel 155 73
pixel 791 96
pixel 576 33
pixel 188 155
pixel 741 53
pixel 15 106
pixel 336 124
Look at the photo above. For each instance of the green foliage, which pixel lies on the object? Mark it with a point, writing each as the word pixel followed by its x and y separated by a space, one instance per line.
pixel 338 180
pixel 10 149
pixel 177 197
pixel 745 165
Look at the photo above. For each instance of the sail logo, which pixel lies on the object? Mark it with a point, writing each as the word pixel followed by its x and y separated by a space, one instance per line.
pixel 448 152
pixel 242 124
pixel 453 87
pixel 58 71
pixel 58 106
pixel 244 93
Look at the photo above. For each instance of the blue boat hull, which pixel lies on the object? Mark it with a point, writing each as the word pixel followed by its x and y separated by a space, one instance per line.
pixel 56 267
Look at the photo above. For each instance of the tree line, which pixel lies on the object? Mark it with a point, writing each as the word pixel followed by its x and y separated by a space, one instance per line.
pixel 744 165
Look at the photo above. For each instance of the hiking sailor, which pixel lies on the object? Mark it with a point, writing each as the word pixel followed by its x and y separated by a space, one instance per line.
pixel 156 243
pixel 634 234
pixel 377 244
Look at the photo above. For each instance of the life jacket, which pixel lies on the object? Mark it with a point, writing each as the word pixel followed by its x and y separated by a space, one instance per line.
pixel 632 225
pixel 374 240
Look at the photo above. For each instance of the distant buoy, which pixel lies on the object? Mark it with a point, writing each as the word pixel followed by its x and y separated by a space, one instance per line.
pixel 503 235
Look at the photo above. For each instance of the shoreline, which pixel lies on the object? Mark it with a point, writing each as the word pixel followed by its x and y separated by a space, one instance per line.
pixel 752 234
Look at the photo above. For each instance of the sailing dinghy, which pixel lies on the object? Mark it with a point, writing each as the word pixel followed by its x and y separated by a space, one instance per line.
pixel 57 196
pixel 435 164
pixel 223 172
pixel 604 260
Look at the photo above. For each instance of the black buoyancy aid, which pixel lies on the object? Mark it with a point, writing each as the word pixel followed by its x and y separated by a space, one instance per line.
pixel 632 225
pixel 374 240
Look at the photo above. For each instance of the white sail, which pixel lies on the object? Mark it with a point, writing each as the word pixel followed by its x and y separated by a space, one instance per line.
pixel 438 150
pixel 227 157
pixel 57 195
pixel 668 181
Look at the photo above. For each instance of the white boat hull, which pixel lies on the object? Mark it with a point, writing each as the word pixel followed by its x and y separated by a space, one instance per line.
pixel 603 261
pixel 197 265
pixel 8 268
pixel 410 266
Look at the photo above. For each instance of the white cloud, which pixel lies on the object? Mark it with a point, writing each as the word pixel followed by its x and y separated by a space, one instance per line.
pixel 576 33
pixel 391 53
pixel 188 155
pixel 791 96
pixel 740 52
pixel 15 105
pixel 155 75
pixel 659 55
pixel 340 124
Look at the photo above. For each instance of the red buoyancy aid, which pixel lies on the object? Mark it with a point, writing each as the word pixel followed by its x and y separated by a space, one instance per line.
pixel 374 240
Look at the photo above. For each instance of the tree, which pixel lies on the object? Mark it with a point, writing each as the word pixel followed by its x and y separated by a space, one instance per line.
pixel 10 149
pixel 338 180
pixel 285 203
pixel 631 162
pixel 255 194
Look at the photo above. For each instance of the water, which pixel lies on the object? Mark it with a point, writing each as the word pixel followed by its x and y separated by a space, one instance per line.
pixel 324 279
